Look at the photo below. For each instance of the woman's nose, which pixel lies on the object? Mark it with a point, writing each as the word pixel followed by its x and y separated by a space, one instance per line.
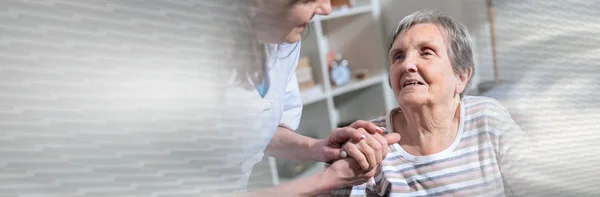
pixel 409 65
pixel 324 7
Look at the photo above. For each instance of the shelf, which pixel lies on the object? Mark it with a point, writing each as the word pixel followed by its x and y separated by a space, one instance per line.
pixel 310 171
pixel 356 85
pixel 326 104
pixel 344 13
pixel 312 95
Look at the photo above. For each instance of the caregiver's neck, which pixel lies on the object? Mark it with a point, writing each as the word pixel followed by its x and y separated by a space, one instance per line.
pixel 428 129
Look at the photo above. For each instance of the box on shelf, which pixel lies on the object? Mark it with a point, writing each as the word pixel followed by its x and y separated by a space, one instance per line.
pixel 304 74
pixel 341 4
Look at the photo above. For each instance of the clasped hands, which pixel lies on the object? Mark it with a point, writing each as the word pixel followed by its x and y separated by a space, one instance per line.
pixel 354 153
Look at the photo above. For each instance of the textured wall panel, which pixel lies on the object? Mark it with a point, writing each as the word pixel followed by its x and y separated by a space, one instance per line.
pixel 120 98
pixel 548 58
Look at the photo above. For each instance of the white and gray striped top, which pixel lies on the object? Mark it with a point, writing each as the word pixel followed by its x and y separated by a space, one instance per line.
pixel 478 163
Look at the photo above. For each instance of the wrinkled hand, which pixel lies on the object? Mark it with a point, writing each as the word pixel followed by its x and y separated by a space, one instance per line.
pixel 347 172
pixel 359 133
pixel 370 151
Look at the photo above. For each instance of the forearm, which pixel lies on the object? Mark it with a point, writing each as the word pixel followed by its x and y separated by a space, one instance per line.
pixel 304 187
pixel 289 145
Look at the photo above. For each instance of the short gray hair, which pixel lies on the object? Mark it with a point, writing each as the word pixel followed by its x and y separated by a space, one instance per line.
pixel 457 37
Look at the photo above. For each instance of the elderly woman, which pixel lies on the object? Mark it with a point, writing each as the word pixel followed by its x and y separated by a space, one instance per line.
pixel 451 144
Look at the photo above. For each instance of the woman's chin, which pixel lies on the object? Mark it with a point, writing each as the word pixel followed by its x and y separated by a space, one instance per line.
pixel 293 37
pixel 410 99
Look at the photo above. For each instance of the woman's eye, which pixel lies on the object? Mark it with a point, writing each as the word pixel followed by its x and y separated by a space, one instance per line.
pixel 427 52
pixel 398 57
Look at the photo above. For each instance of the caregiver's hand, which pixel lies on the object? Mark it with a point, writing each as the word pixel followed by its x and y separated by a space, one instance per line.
pixel 346 172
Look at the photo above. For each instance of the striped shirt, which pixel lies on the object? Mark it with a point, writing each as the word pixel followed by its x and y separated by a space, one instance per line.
pixel 477 163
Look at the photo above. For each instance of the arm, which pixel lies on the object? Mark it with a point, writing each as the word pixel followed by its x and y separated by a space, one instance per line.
pixel 285 143
pixel 342 173
pixel 289 145
pixel 515 148
pixel 304 187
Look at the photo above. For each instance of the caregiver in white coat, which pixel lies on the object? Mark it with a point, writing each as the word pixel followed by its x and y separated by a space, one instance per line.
pixel 278 27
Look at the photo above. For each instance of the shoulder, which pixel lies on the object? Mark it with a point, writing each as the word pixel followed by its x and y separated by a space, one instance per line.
pixel 480 111
pixel 481 101
pixel 480 105
pixel 487 111
pixel 284 51
pixel 382 120
pixel 290 47
pixel 379 121
pixel 281 62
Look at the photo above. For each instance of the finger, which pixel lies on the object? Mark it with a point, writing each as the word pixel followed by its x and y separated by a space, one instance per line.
pixel 367 125
pixel 342 135
pixel 374 145
pixel 359 176
pixel 354 152
pixel 343 154
pixel 336 154
pixel 384 146
pixel 392 138
pixel 372 172
pixel 368 152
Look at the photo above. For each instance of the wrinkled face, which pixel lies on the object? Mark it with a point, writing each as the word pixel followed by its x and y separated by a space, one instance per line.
pixel 279 21
pixel 421 71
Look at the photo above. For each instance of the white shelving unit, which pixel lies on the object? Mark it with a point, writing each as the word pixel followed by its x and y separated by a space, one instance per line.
pixel 356 33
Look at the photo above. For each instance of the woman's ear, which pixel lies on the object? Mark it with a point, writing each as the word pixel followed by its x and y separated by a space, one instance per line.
pixel 463 79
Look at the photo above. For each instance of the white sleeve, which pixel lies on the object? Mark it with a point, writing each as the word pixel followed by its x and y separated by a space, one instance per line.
pixel 515 148
pixel 292 106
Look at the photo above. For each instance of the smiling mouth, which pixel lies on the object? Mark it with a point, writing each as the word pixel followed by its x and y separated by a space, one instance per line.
pixel 410 83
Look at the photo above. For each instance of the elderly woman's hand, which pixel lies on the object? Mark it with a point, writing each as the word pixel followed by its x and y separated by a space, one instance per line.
pixel 359 133
pixel 370 151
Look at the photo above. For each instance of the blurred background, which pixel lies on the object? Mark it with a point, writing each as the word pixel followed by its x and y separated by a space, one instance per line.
pixel 538 58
